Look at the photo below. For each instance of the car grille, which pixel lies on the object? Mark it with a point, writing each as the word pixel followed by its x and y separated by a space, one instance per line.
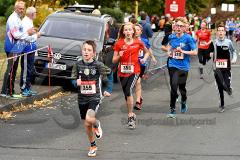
pixel 63 57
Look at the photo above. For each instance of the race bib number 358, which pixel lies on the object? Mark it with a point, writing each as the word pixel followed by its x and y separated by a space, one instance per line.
pixel 88 87
pixel 221 63
pixel 127 68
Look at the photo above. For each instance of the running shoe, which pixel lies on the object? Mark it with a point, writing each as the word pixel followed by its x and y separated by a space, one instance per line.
pixel 98 130
pixel 138 106
pixel 32 92
pixel 172 114
pixel 183 107
pixel 15 96
pixel 221 109
pixel 92 151
pixel 26 93
pixel 229 91
pixel 132 122
pixel 3 95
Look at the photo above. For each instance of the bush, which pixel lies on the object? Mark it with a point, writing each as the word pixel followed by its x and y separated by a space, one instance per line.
pixel 9 11
pixel 2 21
pixel 42 12
pixel 2 34
pixel 114 12
pixel 4 5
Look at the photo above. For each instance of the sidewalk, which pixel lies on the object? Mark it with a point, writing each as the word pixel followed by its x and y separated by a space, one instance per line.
pixel 43 91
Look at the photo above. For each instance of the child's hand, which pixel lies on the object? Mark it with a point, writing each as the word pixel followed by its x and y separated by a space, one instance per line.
pixel 154 60
pixel 79 82
pixel 121 53
pixel 74 83
pixel 143 60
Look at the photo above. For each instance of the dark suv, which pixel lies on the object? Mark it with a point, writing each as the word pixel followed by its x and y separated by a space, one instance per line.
pixel 64 32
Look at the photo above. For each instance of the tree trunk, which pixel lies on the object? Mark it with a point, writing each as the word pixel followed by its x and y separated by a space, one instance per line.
pixel 35 3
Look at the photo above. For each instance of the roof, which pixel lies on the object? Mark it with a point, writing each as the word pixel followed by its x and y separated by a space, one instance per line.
pixel 76 15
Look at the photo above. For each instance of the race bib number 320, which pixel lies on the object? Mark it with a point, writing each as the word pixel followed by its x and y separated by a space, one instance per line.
pixel 178 55
pixel 127 68
pixel 88 87
pixel 221 63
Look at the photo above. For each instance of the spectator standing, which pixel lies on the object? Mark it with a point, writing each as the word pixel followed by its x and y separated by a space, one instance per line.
pixel 147 30
pixel 14 45
pixel 27 60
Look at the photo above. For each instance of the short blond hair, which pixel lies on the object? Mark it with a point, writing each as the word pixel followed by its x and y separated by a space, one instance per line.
pixel 17 3
pixel 181 19
pixel 30 10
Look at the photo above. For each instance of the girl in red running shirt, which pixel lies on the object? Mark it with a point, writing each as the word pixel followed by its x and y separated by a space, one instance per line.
pixel 203 37
pixel 126 51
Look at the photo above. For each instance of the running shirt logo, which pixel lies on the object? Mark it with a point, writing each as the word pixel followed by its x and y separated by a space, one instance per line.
pixel 127 68
pixel 221 63
pixel 86 71
pixel 178 55
pixel 88 87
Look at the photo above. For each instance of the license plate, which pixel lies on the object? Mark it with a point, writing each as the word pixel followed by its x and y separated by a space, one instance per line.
pixel 57 66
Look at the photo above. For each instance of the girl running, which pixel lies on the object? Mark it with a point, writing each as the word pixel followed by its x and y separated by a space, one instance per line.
pixel 126 51
pixel 203 40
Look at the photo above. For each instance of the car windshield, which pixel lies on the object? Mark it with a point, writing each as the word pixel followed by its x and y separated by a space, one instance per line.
pixel 78 29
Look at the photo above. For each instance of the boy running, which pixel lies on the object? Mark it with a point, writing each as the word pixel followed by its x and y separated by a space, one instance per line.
pixel 88 73
pixel 222 58
pixel 181 45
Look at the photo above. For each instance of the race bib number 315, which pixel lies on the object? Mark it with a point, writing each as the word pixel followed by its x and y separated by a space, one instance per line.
pixel 221 63
pixel 88 87
pixel 127 68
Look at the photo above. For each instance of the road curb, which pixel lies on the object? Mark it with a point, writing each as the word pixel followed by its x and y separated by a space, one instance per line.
pixel 30 100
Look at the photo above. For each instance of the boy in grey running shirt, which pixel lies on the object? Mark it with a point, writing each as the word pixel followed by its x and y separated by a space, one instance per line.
pixel 224 50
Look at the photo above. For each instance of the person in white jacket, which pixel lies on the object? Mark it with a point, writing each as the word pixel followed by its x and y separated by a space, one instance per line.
pixel 14 45
pixel 27 60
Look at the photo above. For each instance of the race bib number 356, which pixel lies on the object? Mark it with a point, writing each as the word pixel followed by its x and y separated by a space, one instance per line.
pixel 221 63
pixel 88 87
pixel 178 55
pixel 127 68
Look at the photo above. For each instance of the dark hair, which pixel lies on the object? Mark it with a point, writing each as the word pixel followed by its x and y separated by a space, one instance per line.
pixel 91 43
pixel 133 20
pixel 220 25
pixel 143 16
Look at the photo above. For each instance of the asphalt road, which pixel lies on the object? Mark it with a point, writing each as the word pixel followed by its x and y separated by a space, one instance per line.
pixel 57 132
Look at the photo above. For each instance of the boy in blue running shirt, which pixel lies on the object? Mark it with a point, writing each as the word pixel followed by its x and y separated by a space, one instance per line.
pixel 180 47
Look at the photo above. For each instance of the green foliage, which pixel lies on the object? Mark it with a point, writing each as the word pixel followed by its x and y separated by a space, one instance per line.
pixel 9 11
pixel 152 7
pixel 114 12
pixel 42 12
pixel 196 6
pixel 4 5
pixel 2 33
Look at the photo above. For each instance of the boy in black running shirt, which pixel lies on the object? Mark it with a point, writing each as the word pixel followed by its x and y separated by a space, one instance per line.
pixel 88 74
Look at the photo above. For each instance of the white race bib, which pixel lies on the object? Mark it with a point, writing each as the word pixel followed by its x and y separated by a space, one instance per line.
pixel 129 68
pixel 221 63
pixel 88 87
pixel 178 55
pixel 203 43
